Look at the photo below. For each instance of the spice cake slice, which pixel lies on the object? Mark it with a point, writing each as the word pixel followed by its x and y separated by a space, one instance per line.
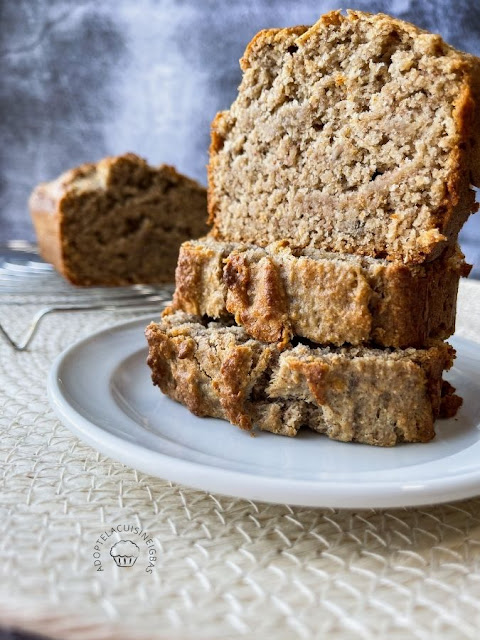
pixel 360 134
pixel 374 396
pixel 117 222
pixel 276 293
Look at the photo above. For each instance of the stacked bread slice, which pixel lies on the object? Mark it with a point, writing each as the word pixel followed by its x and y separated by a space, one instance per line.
pixel 338 182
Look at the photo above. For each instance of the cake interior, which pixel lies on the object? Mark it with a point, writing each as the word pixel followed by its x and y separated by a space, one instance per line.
pixel 130 231
pixel 346 136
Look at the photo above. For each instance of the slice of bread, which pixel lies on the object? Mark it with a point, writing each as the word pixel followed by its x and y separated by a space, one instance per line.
pixel 117 222
pixel 277 293
pixel 360 134
pixel 374 396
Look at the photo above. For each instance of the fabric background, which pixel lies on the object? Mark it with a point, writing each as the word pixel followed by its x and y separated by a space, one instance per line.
pixel 82 79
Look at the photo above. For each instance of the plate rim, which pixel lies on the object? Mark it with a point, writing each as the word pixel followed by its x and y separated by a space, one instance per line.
pixel 296 492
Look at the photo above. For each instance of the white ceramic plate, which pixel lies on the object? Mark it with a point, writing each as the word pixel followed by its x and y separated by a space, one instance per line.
pixel 101 390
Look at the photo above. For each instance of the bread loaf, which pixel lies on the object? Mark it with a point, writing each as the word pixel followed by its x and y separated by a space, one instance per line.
pixel 117 222
pixel 277 293
pixel 374 396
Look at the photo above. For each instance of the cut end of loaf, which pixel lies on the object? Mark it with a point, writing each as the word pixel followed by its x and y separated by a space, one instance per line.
pixel 117 222
pixel 356 135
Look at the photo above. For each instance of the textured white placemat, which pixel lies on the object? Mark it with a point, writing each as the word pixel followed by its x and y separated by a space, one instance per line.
pixel 224 567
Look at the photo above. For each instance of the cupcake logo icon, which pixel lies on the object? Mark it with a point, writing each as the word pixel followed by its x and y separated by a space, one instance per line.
pixel 125 553
pixel 113 543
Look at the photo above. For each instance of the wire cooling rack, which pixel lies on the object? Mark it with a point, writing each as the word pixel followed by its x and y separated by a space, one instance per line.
pixel 25 279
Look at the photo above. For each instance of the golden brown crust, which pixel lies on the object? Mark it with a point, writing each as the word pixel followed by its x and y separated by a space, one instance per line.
pixel 211 380
pixel 351 394
pixel 46 221
pixel 230 385
pixel 257 298
pixel 103 224
pixel 216 143
pixel 471 141
pixel 459 201
pixel 276 293
pixel 267 37
pixel 188 276
pixel 199 282
pixel 182 386
pixel 450 403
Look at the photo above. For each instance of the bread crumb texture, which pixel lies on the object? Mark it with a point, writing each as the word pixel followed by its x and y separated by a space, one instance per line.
pixel 117 222
pixel 374 396
pixel 359 134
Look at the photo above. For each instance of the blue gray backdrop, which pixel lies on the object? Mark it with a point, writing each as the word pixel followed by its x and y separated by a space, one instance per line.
pixel 81 79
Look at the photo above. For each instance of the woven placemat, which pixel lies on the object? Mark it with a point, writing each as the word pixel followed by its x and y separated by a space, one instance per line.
pixel 224 567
